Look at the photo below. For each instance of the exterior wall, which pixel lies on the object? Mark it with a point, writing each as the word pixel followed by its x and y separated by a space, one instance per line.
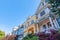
pixel 44 22
pixel 44 12
pixel 58 20
pixel 30 22
pixel 43 17
pixel 31 29
pixel 19 32
pixel 14 32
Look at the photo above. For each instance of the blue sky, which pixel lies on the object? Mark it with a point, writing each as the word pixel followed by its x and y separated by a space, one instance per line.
pixel 15 12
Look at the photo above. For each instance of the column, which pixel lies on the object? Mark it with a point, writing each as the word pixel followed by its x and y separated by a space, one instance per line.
pixel 51 22
pixel 24 27
pixel 34 30
pixel 48 30
pixel 41 29
pixel 37 28
pixel 57 23
pixel 54 23
pixel 46 26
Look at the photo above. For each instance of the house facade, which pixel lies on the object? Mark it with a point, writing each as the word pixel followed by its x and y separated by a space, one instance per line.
pixel 30 25
pixel 19 32
pixel 42 21
pixel 46 19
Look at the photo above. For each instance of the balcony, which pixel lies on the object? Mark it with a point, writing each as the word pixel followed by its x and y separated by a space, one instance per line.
pixel 47 30
pixel 43 18
pixel 29 25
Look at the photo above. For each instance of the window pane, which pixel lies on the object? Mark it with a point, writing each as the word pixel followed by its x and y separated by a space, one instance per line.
pixel 44 26
pixel 42 3
pixel 42 13
pixel 32 21
pixel 58 19
pixel 46 1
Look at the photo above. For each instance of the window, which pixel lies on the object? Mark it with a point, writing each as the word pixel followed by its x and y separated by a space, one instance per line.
pixel 44 26
pixel 46 1
pixel 20 31
pixel 42 13
pixel 32 21
pixel 49 25
pixel 42 3
pixel 39 16
pixel 28 23
pixel 58 19
pixel 16 32
pixel 58 1
pixel 47 10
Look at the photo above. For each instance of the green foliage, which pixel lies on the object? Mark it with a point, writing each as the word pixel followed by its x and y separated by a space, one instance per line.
pixel 34 38
pixel 30 37
pixel 59 31
pixel 2 34
pixel 54 6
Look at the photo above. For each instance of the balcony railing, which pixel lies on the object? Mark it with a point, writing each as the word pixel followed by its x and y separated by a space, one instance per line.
pixel 43 17
pixel 47 30
pixel 29 25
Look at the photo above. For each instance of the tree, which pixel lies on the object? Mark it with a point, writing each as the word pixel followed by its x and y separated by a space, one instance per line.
pixel 34 38
pixel 30 37
pixel 55 6
pixel 2 35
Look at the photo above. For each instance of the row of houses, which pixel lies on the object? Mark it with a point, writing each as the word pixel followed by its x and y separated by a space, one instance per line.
pixel 42 21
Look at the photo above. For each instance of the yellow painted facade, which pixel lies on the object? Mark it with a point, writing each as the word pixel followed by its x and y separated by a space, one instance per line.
pixel 31 27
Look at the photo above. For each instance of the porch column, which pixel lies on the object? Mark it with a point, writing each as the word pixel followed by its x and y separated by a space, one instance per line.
pixel 54 23
pixel 46 26
pixel 57 23
pixel 25 33
pixel 41 29
pixel 34 29
pixel 47 29
pixel 37 28
pixel 51 22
